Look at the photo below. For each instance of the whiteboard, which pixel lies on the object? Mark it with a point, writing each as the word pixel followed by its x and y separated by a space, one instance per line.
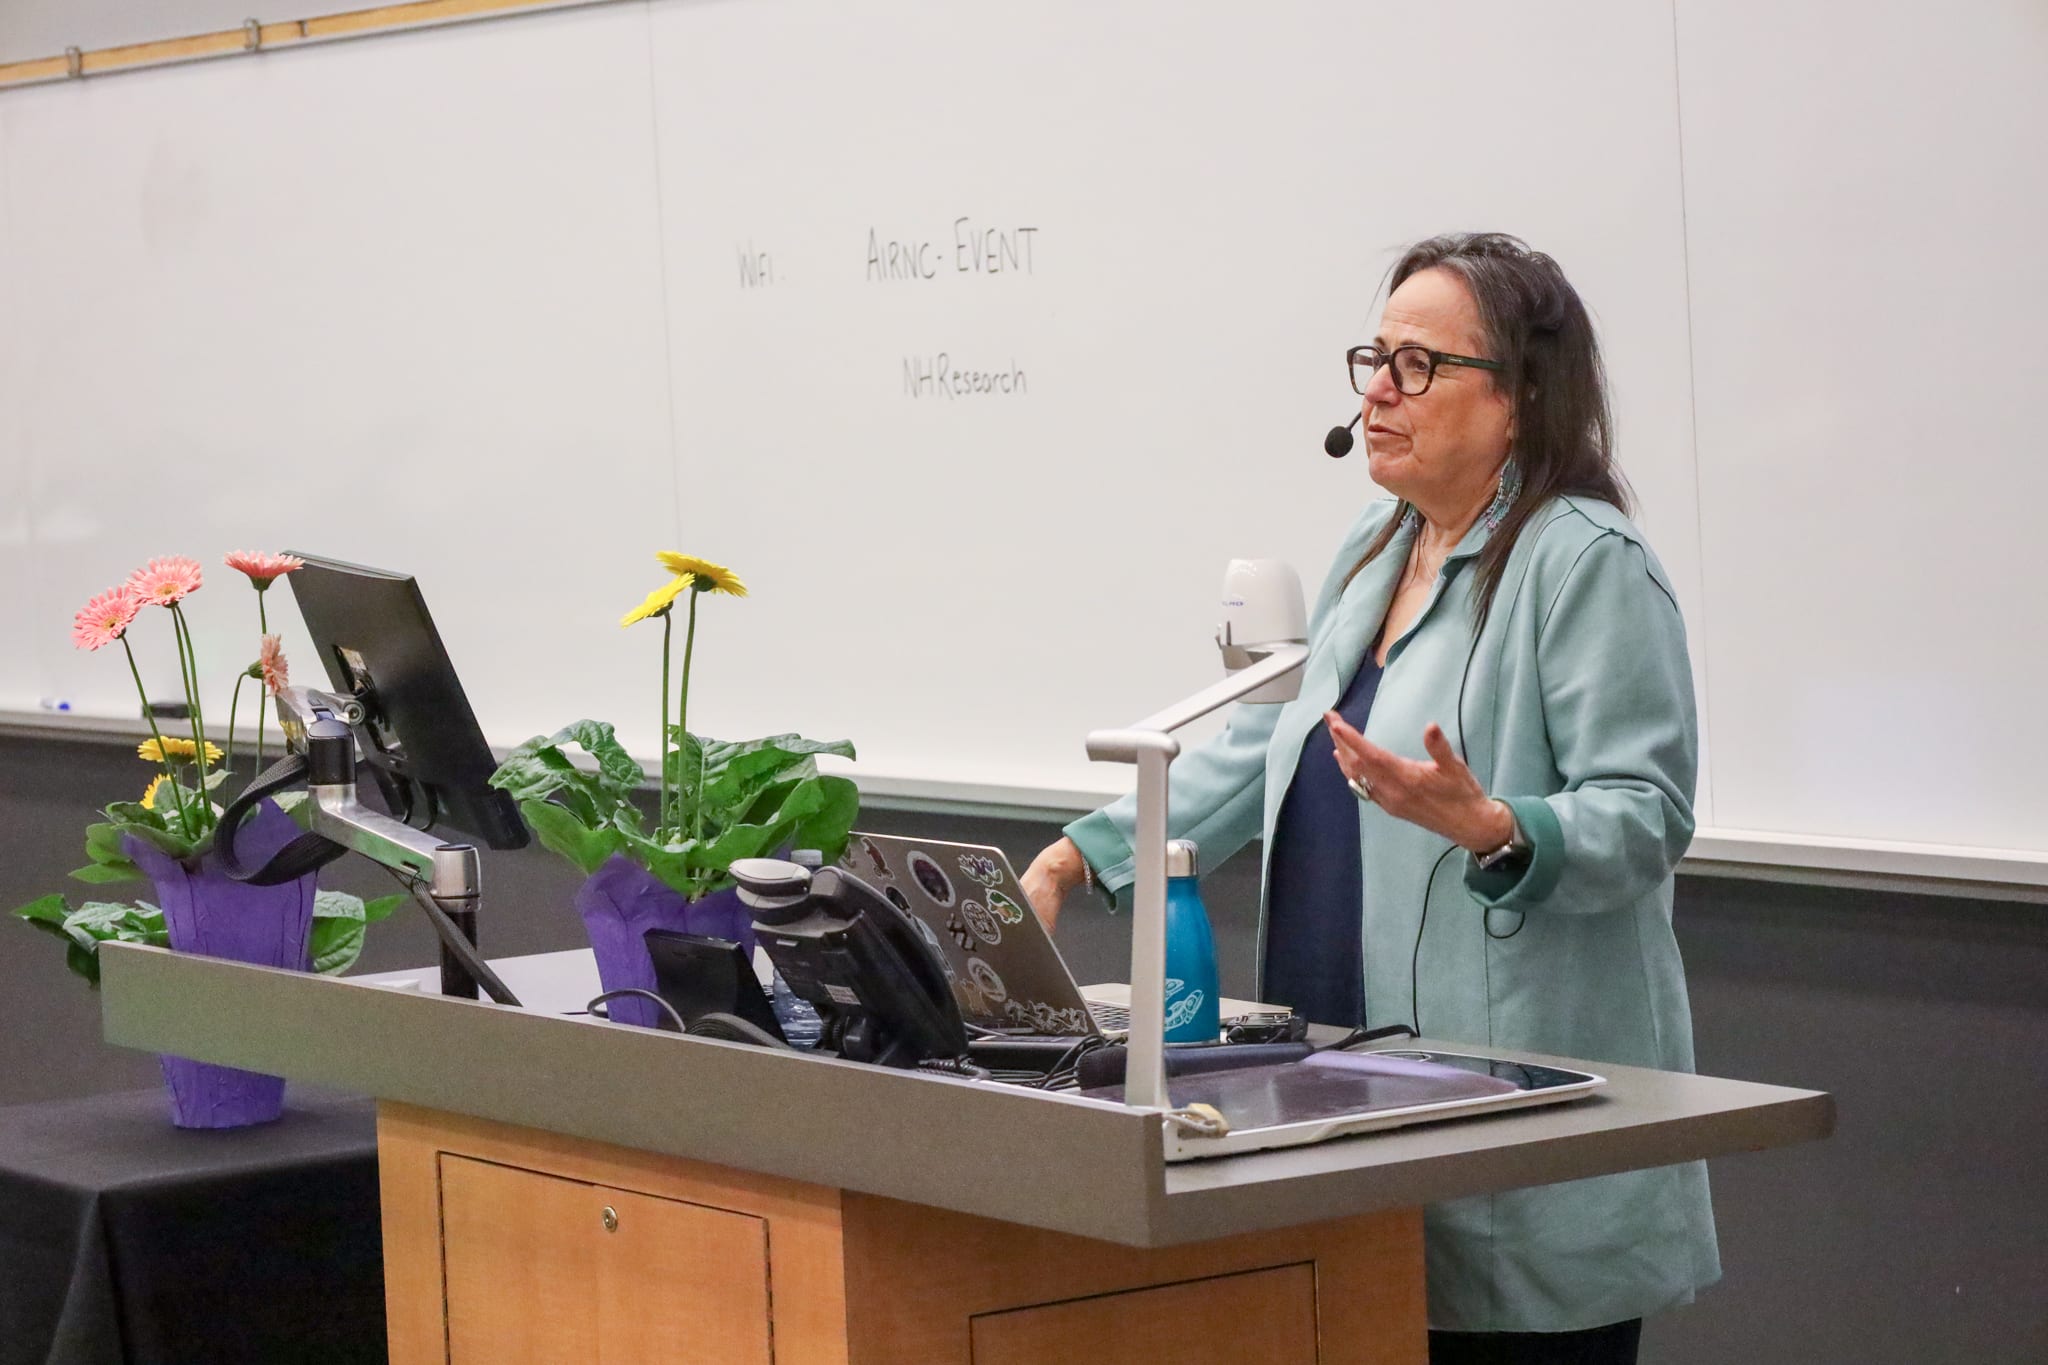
pixel 1163 267
pixel 21 626
pixel 1872 535
pixel 568 288
pixel 358 325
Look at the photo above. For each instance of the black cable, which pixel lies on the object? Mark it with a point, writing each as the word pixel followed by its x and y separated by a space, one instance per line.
pixel 954 1066
pixel 457 942
pixel 1521 918
pixel 1368 1035
pixel 1429 884
pixel 1067 1066
pixel 730 1028
pixel 636 992
pixel 1415 958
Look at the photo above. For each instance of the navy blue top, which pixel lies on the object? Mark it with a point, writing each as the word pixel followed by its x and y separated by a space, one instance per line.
pixel 1316 879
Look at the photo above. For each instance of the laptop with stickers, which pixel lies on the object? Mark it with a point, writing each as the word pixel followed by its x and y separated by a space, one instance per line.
pixel 966 901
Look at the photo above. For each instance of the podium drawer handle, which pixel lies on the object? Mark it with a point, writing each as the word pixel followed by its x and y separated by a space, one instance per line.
pixel 611 1219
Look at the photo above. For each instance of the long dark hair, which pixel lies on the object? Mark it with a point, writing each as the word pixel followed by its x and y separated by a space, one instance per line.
pixel 1533 322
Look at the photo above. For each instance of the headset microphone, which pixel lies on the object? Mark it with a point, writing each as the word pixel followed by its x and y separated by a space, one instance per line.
pixel 1338 443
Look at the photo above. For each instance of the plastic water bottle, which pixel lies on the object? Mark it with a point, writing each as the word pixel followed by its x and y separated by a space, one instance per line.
pixel 801 1026
pixel 1193 1000
pixel 800 1023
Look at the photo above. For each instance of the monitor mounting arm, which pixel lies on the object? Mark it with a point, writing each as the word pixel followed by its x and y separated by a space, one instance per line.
pixel 319 730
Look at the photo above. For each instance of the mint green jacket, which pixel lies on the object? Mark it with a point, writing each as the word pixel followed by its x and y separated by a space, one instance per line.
pixel 1577 710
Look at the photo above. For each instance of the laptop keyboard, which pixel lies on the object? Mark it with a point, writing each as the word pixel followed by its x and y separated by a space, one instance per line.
pixel 1110 1018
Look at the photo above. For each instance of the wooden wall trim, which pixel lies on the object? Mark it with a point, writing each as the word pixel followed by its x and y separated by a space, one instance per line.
pixel 270 37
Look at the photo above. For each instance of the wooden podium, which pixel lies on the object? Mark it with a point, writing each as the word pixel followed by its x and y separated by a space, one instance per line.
pixel 507 1245
pixel 557 1188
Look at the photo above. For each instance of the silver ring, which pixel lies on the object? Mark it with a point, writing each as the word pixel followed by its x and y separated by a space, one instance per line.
pixel 1360 788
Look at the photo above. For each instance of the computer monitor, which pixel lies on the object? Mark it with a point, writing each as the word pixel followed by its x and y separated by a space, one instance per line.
pixel 418 734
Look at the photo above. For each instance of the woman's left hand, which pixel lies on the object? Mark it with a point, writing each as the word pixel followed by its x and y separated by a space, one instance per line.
pixel 1442 796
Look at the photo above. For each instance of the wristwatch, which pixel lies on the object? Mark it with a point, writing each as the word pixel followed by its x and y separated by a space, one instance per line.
pixel 1516 847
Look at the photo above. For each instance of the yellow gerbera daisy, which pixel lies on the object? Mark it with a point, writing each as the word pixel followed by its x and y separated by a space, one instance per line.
pixel 177 748
pixel 659 601
pixel 710 577
pixel 149 797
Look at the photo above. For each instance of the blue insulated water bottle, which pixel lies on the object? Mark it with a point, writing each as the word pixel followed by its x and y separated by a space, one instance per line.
pixel 1192 998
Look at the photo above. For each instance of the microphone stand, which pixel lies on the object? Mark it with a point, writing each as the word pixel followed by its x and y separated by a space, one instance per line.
pixel 1151 746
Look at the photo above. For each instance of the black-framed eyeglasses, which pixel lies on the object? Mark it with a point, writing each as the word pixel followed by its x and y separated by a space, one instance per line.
pixel 1414 366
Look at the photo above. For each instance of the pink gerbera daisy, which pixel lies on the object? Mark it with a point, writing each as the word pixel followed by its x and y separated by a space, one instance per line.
pixel 165 582
pixel 270 658
pixel 105 619
pixel 263 568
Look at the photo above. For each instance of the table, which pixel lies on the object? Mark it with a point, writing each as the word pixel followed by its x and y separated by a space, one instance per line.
pixel 127 1241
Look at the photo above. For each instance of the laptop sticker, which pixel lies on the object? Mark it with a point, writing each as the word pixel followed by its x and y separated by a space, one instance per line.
pixel 1004 909
pixel 931 878
pixel 898 899
pixel 981 868
pixel 981 923
pixel 985 977
pixel 957 931
pixel 1045 1018
pixel 872 858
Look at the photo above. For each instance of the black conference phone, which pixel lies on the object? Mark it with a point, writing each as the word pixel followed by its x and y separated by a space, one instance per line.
pixel 877 985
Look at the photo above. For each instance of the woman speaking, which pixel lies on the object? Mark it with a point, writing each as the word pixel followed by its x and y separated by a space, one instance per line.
pixel 1472 812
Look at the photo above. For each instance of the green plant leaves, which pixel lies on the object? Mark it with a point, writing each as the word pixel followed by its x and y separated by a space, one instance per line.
pixel 735 773
pixel 619 774
pixel 103 843
pixel 337 938
pixel 161 829
pixel 84 929
pixel 728 799
pixel 99 874
pixel 826 829
pixel 681 865
pixel 563 831
pixel 539 769
pixel 339 922
pixel 336 944
pixel 132 815
pixel 47 914
pixel 685 781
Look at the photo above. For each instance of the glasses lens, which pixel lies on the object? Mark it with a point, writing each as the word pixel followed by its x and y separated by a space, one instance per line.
pixel 1411 369
pixel 1364 360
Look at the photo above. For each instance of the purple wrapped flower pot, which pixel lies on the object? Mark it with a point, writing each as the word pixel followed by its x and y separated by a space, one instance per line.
pixel 209 913
pixel 621 901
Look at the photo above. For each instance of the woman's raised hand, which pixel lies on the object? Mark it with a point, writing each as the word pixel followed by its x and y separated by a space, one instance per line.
pixel 1440 795
pixel 1058 869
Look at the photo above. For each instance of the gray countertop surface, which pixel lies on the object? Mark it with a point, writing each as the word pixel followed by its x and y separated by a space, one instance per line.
pixel 1043 1159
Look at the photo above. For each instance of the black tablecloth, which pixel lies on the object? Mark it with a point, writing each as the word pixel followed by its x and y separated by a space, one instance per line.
pixel 126 1241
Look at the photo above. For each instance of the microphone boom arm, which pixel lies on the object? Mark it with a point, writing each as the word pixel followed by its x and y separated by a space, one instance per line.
pixel 1150 746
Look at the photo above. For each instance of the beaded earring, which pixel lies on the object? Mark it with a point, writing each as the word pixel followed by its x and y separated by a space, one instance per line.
pixel 1504 494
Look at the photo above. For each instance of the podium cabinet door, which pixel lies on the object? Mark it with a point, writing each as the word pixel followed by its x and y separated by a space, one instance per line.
pixel 542 1270
pixel 521 1252
pixel 682 1284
